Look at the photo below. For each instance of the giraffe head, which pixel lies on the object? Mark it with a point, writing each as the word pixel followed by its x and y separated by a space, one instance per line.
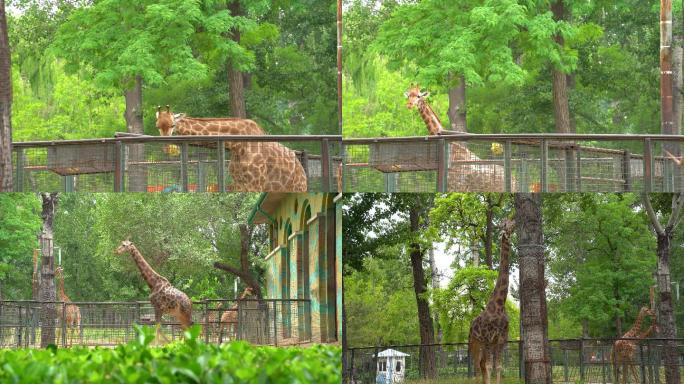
pixel 414 95
pixel 248 292
pixel 59 272
pixel 646 311
pixel 166 120
pixel 125 246
pixel 507 225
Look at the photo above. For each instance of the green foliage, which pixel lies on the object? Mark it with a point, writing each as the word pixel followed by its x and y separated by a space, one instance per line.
pixel 189 361
pixel 19 224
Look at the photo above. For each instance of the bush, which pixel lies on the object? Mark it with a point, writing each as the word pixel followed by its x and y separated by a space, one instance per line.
pixel 188 361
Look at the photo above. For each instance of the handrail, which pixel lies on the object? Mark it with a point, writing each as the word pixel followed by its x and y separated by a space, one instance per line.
pixel 514 136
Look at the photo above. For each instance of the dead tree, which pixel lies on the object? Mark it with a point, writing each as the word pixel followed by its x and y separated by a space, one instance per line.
pixel 48 314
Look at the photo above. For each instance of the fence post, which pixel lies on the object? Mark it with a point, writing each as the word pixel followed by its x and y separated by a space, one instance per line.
pixel 442 165
pixel 581 359
pixel 641 363
pixel 565 365
pixel 325 165
pixel 578 168
pixel 275 323
pixel 305 163
pixel 207 321
pixel 68 183
pixel 508 171
pixel 524 176
pixel 627 170
pixel 64 323
pixel 570 171
pixel 221 169
pixel 521 358
pixel 119 166
pixel 343 167
pixel 351 365
pixel 648 165
pixel 184 166
pixel 201 173
pixel 544 165
pixel 19 178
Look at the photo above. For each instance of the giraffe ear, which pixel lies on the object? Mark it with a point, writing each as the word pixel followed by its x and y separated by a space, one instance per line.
pixel 406 94
pixel 424 94
pixel 158 108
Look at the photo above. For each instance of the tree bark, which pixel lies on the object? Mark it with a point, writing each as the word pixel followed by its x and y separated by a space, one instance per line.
pixel 667 326
pixel 561 106
pixel 236 87
pixel 243 271
pixel 489 234
pixel 533 312
pixel 137 174
pixel 666 121
pixel 426 362
pixel 48 314
pixel 457 106
pixel 6 180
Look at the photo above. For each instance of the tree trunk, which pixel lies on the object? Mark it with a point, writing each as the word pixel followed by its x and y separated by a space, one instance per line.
pixel 235 79
pixel 48 314
pixel 426 363
pixel 6 182
pixel 667 326
pixel 137 174
pixel 243 271
pixel 667 125
pixel 434 274
pixel 457 106
pixel 528 218
pixel 561 106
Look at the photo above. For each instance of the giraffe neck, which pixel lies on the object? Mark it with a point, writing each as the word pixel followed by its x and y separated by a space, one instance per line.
pixel 498 298
pixel 151 277
pixel 194 126
pixel 430 118
pixel 61 293
pixel 634 331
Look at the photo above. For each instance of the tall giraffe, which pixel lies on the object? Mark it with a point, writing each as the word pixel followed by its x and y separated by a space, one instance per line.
pixel 473 176
pixel 489 330
pixel 71 313
pixel 624 351
pixel 254 166
pixel 165 297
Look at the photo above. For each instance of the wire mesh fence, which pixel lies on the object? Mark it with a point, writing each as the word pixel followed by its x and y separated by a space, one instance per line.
pixel 175 164
pixel 264 322
pixel 514 163
pixel 572 361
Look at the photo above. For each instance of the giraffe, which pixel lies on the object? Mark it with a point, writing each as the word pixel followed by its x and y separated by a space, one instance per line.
pixel 229 318
pixel 165 297
pixel 254 166
pixel 624 351
pixel 71 313
pixel 489 330
pixel 469 177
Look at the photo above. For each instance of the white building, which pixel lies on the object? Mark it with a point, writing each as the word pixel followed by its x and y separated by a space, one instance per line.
pixel 391 367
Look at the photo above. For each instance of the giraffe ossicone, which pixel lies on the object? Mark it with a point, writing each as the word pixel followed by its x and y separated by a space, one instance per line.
pixel 254 166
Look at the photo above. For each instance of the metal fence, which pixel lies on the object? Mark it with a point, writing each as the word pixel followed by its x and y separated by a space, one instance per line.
pixel 572 361
pixel 513 163
pixel 264 322
pixel 160 164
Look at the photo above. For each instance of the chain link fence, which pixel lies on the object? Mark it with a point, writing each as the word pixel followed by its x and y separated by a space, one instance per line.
pixel 263 322
pixel 514 163
pixel 572 361
pixel 169 164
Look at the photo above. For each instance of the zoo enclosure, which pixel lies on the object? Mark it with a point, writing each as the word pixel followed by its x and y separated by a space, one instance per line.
pixel 265 322
pixel 158 164
pixel 572 361
pixel 513 163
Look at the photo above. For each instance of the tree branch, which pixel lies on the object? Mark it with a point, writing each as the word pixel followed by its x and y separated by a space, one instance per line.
pixel 651 215
pixel 676 217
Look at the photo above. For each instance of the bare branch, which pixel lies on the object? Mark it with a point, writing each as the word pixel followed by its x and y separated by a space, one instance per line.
pixel 676 216
pixel 651 215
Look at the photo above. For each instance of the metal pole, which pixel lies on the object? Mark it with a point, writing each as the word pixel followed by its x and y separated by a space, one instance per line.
pixel 442 166
pixel 19 178
pixel 648 165
pixel 627 170
pixel 581 359
pixel 508 171
pixel 578 169
pixel 221 169
pixel 570 170
pixel 544 165
pixel 119 166
pixel 184 166
pixel 325 165
pixel 208 321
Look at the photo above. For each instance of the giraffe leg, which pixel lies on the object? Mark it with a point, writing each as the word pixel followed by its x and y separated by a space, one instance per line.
pixel 159 334
pixel 632 368
pixel 497 362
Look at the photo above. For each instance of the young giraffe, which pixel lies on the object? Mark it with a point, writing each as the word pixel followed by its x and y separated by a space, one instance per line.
pixel 624 351
pixel 165 297
pixel 229 318
pixel 254 166
pixel 462 177
pixel 71 314
pixel 489 330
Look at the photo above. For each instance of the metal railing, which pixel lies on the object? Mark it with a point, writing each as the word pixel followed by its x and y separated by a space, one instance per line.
pixel 513 163
pixel 572 361
pixel 160 164
pixel 265 322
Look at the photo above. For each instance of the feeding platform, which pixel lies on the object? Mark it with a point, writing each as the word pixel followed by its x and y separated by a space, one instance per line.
pixel 135 163
pixel 513 163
